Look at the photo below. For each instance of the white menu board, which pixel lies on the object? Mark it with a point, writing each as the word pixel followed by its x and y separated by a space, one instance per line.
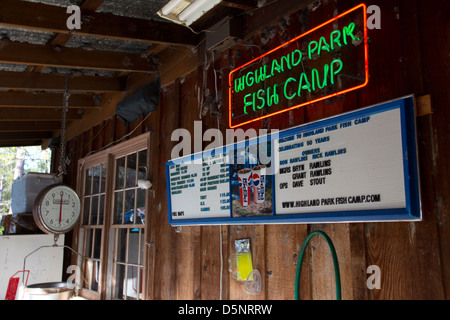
pixel 351 165
pixel 200 189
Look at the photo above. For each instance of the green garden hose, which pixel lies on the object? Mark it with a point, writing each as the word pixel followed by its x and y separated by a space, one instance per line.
pixel 335 262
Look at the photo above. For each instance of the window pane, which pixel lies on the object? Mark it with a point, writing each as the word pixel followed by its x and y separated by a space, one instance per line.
pixel 129 206
pixel 121 245
pixel 131 171
pixel 87 187
pixel 87 206
pixel 134 283
pixel 103 180
pixel 94 210
pixel 95 275
pixel 119 283
pixel 142 170
pixel 118 207
pixel 141 246
pixel 101 209
pixel 87 273
pixel 140 204
pixel 96 180
pixel 120 173
pixel 88 244
pixel 97 243
pixel 133 248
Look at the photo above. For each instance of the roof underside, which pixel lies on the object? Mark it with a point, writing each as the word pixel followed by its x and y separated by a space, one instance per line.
pixel 118 39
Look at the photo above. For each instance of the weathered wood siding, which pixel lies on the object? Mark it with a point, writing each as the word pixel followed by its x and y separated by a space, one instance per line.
pixel 409 55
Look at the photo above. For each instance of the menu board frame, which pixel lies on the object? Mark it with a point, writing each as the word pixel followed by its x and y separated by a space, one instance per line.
pixel 410 212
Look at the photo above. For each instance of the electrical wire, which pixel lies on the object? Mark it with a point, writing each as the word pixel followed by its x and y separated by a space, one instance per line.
pixel 335 263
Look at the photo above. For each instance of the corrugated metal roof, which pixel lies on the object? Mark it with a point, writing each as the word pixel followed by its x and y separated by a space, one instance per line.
pixel 94 43
pixel 142 9
pixel 25 36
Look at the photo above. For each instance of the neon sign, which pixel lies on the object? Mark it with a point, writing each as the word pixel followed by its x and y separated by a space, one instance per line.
pixel 327 61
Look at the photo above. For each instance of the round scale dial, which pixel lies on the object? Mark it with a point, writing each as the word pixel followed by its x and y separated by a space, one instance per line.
pixel 57 209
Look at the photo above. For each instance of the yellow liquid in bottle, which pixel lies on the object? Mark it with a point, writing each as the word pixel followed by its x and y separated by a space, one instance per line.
pixel 244 265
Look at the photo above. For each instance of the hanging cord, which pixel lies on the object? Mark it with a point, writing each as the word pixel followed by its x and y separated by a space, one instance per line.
pixel 62 143
pixel 335 262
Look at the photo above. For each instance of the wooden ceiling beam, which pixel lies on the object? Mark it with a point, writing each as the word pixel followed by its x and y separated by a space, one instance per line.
pixel 36 16
pixel 21 143
pixel 47 100
pixel 18 136
pixel 74 58
pixel 52 82
pixel 240 4
pixel 35 114
pixel 30 126
pixel 62 38
pixel 91 5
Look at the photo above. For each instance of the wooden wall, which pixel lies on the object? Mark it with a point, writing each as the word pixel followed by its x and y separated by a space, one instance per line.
pixel 409 55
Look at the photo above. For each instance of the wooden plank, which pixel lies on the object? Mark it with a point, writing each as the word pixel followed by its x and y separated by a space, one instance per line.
pixel 209 263
pixel 33 114
pixel 18 126
pixel 433 20
pixel 283 243
pixel 23 143
pixel 177 63
pixel 193 264
pixel 358 260
pixel 323 278
pixel 47 100
pixel 110 100
pixel 240 4
pixel 17 136
pixel 164 267
pixel 40 55
pixel 62 38
pixel 401 250
pixel 424 105
pixel 52 82
pixel 35 16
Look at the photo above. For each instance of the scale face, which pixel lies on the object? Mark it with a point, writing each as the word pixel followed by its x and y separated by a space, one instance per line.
pixel 57 209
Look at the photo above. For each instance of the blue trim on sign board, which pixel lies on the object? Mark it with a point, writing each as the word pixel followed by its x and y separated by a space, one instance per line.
pixel 411 212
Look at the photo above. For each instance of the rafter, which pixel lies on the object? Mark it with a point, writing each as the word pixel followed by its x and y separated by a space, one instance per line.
pixel 30 126
pixel 52 82
pixel 21 143
pixel 36 16
pixel 34 114
pixel 240 4
pixel 47 100
pixel 41 55
pixel 20 136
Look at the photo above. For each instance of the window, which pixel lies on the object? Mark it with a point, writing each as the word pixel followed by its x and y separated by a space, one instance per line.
pixel 129 225
pixel 112 233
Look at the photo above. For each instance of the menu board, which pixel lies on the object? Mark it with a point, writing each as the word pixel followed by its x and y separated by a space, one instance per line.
pixel 356 167
pixel 200 189
pixel 353 164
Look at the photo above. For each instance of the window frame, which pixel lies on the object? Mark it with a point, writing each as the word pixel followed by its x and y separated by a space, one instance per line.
pixel 106 283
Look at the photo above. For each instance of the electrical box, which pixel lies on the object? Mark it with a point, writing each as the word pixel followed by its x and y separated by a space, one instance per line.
pixel 224 34
pixel 26 188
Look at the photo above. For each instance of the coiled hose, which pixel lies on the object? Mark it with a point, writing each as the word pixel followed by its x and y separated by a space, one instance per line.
pixel 335 262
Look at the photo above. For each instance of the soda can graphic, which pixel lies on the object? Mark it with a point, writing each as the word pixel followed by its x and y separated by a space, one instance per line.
pixel 244 176
pixel 259 183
